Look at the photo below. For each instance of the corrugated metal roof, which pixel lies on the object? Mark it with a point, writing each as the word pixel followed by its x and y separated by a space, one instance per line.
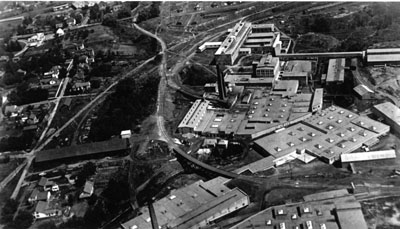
pixel 368 156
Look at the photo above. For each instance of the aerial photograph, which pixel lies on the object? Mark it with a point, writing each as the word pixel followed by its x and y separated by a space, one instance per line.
pixel 199 115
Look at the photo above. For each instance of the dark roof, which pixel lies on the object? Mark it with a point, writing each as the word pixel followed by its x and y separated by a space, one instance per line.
pixel 42 196
pixel 115 144
pixel 42 181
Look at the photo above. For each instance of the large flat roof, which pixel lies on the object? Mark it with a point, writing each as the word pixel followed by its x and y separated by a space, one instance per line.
pixel 195 114
pixel 395 57
pixel 234 39
pixel 230 200
pixel 288 216
pixel 180 202
pixel 327 134
pixel 389 110
pixel 115 144
pixel 383 51
pixel 368 156
pixel 336 70
pixel 247 80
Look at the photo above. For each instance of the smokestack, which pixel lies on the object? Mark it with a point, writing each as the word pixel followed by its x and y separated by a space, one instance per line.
pixel 221 84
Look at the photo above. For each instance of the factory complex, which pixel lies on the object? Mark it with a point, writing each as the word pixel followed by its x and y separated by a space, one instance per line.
pixel 192 206
pixel 329 210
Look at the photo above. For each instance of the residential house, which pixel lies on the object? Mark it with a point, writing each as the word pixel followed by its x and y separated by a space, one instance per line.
pixel 87 190
pixel 117 8
pixel 37 195
pixel 70 21
pixel 48 185
pixel 46 209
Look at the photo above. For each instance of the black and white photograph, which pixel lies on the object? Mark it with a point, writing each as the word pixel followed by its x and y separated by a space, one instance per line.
pixel 199 114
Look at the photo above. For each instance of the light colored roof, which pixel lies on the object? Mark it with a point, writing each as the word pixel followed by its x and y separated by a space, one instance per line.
pixel 384 50
pixel 234 39
pixel 260 165
pixel 180 202
pixel 195 114
pixel 383 57
pixel 350 216
pixel 336 70
pixel 361 89
pixel 88 187
pixel 326 134
pixel 368 156
pixel 326 195
pixel 389 110
pixel 230 200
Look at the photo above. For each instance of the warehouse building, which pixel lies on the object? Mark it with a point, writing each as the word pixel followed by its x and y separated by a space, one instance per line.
pixel 228 52
pixel 390 113
pixel 246 38
pixel 367 156
pixel 389 56
pixel 297 70
pixel 326 135
pixel 317 100
pixel 267 67
pixel 260 111
pixel 333 210
pixel 192 206
pixel 335 74
pixel 194 116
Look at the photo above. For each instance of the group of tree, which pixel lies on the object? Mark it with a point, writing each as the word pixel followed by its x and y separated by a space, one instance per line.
pixel 23 94
pixel 23 220
pixel 88 170
pixel 149 12
pixel 132 101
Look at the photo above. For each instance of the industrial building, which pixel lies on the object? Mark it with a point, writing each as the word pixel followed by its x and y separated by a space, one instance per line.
pixel 390 113
pixel 383 56
pixel 363 92
pixel 248 80
pixel 194 116
pixel 333 210
pixel 192 206
pixel 300 70
pixel 258 112
pixel 368 156
pixel 317 101
pixel 267 67
pixel 209 45
pixel 335 74
pixel 326 135
pixel 263 39
pixel 248 38
pixel 88 150
pixel 228 52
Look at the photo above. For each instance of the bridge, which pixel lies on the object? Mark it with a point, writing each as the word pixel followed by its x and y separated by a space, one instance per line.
pixel 312 56
pixel 195 164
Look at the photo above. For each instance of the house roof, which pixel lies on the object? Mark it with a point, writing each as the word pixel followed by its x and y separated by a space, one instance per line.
pixel 42 195
pixel 361 89
pixel 88 187
pixel 42 181
pixel 34 193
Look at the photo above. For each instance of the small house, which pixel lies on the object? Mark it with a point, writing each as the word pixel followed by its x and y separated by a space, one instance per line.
pixel 45 209
pixel 87 190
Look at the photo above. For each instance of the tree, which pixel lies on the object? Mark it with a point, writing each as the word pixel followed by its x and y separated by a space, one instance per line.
pixel 109 20
pixel 23 220
pixel 123 13
pixel 8 210
pixel 88 170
